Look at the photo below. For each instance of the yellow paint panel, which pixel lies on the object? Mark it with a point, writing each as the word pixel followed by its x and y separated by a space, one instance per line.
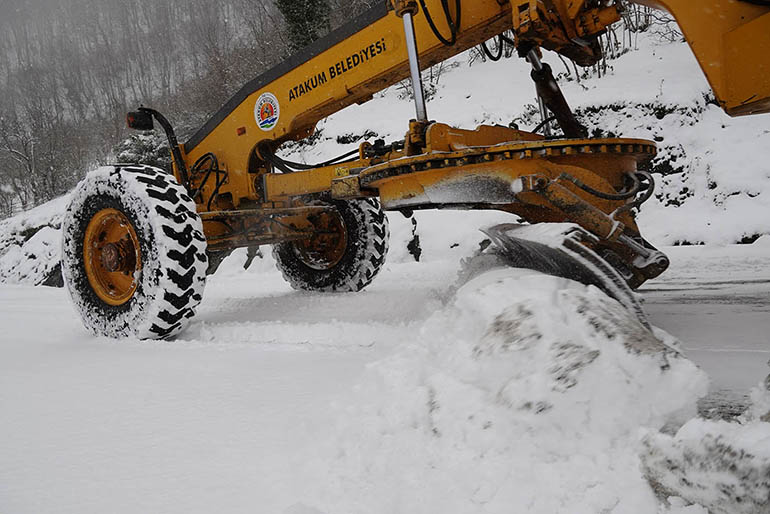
pixel 349 72
pixel 300 183
pixel 747 53
pixel 729 39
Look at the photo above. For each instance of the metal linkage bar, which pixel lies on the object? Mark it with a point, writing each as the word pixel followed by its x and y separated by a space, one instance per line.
pixel 537 65
pixel 414 68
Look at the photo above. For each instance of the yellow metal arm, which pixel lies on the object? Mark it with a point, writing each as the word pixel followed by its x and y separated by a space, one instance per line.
pixel 731 40
pixel 334 75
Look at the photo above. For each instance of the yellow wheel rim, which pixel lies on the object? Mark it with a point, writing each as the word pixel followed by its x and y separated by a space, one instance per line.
pixel 112 256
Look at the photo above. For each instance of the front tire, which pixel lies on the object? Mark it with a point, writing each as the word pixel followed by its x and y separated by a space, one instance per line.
pixel 133 253
pixel 346 254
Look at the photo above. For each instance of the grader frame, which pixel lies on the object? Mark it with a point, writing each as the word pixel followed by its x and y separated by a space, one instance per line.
pixel 141 271
pixel 536 179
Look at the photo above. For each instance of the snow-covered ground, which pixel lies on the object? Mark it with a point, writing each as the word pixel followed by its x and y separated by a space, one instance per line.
pixel 514 392
pixel 408 397
pixel 717 301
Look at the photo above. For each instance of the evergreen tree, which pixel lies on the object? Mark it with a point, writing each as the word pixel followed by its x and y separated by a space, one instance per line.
pixel 306 20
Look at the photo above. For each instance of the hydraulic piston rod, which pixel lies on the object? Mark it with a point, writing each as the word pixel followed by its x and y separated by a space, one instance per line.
pixel 414 68
pixel 550 95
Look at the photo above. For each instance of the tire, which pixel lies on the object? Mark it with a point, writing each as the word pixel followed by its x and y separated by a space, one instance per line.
pixel 161 265
pixel 360 258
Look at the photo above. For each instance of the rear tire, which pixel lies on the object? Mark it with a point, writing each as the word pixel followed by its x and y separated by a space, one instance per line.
pixel 357 257
pixel 160 280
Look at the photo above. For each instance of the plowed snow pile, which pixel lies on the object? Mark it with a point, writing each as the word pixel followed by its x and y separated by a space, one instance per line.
pixel 526 393
pixel 529 393
pixel 725 466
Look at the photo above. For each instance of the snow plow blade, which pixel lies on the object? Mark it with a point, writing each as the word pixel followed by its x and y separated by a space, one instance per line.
pixel 563 250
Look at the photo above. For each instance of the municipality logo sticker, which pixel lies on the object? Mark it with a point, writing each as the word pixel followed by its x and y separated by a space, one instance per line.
pixel 267 111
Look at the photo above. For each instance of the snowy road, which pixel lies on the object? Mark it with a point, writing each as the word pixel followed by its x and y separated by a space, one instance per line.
pixel 218 421
pixel 89 425
pixel 717 302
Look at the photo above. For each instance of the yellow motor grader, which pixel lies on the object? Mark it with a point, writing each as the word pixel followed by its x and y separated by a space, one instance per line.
pixel 138 242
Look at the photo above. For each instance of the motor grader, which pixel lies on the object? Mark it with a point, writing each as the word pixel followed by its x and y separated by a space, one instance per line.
pixel 138 241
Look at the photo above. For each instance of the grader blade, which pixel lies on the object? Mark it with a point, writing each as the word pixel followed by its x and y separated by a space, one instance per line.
pixel 563 250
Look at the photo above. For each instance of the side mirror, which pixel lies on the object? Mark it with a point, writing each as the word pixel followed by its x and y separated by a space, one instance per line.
pixel 140 120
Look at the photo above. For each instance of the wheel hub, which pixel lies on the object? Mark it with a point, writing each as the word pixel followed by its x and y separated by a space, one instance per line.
pixel 119 256
pixel 112 256
pixel 328 244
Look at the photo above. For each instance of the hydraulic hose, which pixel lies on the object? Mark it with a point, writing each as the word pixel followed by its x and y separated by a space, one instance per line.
pixel 302 166
pixel 454 25
pixel 500 49
pixel 502 39
pixel 290 167
pixel 623 195
pixel 543 124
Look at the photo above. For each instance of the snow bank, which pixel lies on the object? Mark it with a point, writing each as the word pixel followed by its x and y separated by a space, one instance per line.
pixel 526 393
pixel 716 188
pixel 30 245
pixel 715 182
